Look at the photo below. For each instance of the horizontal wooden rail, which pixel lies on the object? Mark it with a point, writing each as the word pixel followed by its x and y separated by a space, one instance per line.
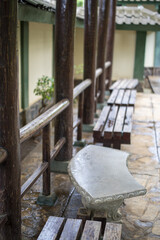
pixel 98 72
pixel 28 130
pixel 58 147
pixel 3 155
pixel 98 94
pixel 33 178
pixel 81 87
pixel 76 123
pixel 107 64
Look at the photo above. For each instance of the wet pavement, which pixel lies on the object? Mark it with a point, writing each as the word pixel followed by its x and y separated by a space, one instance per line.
pixel 140 215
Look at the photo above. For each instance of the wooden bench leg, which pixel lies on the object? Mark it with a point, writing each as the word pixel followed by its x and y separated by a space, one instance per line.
pixel 107 144
pixel 117 144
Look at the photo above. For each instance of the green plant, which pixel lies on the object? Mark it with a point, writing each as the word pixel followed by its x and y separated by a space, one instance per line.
pixel 78 69
pixel 80 3
pixel 45 88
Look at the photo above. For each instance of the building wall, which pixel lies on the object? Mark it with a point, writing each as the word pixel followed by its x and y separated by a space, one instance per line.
pixel 149 49
pixel 124 53
pixel 40 55
pixel 78 51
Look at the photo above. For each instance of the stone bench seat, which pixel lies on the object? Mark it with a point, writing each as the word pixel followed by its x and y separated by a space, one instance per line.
pixel 102 178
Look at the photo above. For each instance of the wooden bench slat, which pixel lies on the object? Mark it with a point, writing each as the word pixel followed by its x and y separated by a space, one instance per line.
pixel 122 84
pixel 126 97
pixel 114 85
pixel 97 131
pixel 109 126
pixel 126 84
pixel 133 83
pixel 52 228
pixel 119 97
pixel 113 97
pixel 112 231
pixel 119 121
pixel 72 229
pixel 92 230
pixel 132 99
pixel 127 125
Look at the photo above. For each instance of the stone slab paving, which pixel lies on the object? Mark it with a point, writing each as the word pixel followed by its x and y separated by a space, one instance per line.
pixel 141 215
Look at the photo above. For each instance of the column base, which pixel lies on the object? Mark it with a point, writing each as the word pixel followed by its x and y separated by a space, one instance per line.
pixel 59 166
pixel 81 143
pixel 46 200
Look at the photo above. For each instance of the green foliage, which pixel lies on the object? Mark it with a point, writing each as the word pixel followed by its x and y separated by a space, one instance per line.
pixel 80 3
pixel 78 69
pixel 45 88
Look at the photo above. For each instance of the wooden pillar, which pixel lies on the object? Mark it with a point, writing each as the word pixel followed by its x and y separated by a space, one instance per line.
pixel 64 45
pixel 90 41
pixel 9 123
pixel 102 38
pixel 139 55
pixel 110 38
pixel 157 50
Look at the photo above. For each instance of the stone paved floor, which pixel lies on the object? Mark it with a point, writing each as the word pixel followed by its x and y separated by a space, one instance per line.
pixel 141 215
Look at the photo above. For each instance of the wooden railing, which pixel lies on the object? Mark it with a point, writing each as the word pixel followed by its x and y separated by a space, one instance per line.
pixel 43 122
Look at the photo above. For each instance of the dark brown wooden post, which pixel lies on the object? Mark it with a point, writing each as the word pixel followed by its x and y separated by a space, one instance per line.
pixel 64 45
pixel 80 115
pixel 102 38
pixel 46 158
pixel 110 38
pixel 9 123
pixel 90 41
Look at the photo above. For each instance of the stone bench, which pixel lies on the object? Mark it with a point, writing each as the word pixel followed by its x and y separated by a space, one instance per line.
pixel 102 178
pixel 57 228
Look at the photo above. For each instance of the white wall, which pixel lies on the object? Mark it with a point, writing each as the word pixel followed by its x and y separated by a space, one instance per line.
pixel 149 49
pixel 124 53
pixel 40 55
pixel 19 62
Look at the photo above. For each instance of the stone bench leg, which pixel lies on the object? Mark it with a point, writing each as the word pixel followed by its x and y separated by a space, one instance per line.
pixel 112 210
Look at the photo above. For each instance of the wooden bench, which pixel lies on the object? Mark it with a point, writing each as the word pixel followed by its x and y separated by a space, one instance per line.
pixel 122 97
pixel 102 178
pixel 154 82
pixel 114 126
pixel 72 229
pixel 124 84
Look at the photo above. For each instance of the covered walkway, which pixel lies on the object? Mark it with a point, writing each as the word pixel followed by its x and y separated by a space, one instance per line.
pixel 140 215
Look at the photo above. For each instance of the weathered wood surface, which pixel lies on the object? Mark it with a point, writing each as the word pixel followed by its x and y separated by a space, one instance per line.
pixel 112 231
pixel 99 71
pixel 46 159
pixel 72 229
pixel 52 229
pixel 114 126
pixel 57 147
pixel 97 131
pixel 3 155
pixel 92 230
pixel 57 229
pixel 101 52
pixel 33 178
pixel 154 82
pixel 31 128
pixel 122 97
pixel 64 52
pixel 124 84
pixel 10 204
pixel 107 64
pixel 90 44
pixel 110 37
pixel 81 87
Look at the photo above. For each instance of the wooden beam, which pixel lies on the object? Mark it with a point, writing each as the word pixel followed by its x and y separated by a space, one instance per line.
pixel 24 63
pixel 102 38
pixel 139 55
pixel 140 27
pixel 110 38
pixel 64 45
pixel 90 41
pixel 9 122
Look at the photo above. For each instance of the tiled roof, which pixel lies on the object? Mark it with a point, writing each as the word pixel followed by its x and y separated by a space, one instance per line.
pixel 131 15
pixel 47 4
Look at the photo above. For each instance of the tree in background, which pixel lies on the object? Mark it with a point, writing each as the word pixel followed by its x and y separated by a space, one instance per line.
pixel 80 3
